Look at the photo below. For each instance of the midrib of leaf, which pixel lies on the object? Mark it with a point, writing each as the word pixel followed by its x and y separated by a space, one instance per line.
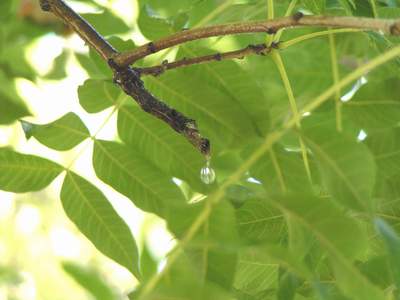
pixel 337 170
pixel 87 202
pixel 161 141
pixel 269 141
pixel 249 262
pixel 260 220
pixel 70 129
pixel 333 251
pixel 127 171
pixel 289 43
pixel 278 170
pixel 30 167
pixel 109 97
pixel 191 103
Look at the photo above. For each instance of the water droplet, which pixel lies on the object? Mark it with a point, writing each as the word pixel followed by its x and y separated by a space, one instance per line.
pixel 207 174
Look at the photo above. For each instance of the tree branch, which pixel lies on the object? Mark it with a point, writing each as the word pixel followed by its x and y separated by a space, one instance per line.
pixel 127 78
pixel 259 49
pixel 268 26
pixel 80 26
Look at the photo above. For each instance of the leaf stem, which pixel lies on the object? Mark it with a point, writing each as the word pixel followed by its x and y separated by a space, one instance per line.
pixel 278 170
pixel 335 74
pixel 276 57
pixel 289 11
pixel 286 44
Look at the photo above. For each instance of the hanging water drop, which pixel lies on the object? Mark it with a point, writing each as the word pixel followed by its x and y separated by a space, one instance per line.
pixel 207 174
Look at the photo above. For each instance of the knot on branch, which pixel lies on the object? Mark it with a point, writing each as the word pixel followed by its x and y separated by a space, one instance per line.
pixel 45 5
pixel 297 16
pixel 260 49
pixel 395 29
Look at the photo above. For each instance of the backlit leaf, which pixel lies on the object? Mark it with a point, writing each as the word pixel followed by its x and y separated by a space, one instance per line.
pixel 91 212
pixel 132 175
pixel 97 95
pixel 62 134
pixel 21 173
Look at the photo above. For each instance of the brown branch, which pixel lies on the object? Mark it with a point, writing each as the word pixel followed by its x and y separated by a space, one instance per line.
pixel 268 26
pixel 80 26
pixel 128 78
pixel 260 49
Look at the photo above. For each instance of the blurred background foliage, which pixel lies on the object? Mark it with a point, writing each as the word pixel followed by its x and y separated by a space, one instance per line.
pixel 44 256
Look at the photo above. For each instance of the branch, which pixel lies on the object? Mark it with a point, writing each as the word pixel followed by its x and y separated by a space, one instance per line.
pixel 259 49
pixel 268 26
pixel 128 78
pixel 80 26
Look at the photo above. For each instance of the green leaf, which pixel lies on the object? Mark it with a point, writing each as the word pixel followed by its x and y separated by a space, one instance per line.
pixel 91 212
pixel 280 170
pixel 58 71
pixel 217 116
pixel 256 271
pixel 316 6
pixel 62 134
pixel 106 23
pixel 385 145
pixel 258 221
pixel 20 173
pixel 90 280
pixel 5 8
pixel 346 167
pixel 13 107
pixel 161 145
pixel 376 105
pixel 340 235
pixel 235 83
pixel 151 26
pixel 186 285
pixel 11 110
pixel 392 242
pixel 214 248
pixel 132 175
pixel 288 284
pixel 148 265
pixel 97 95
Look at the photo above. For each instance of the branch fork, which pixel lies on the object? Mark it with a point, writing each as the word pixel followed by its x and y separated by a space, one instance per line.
pixel 128 78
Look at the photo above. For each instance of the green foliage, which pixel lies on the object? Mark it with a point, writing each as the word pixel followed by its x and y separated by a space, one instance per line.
pixel 91 212
pixel 90 280
pixel 62 134
pixel 21 173
pixel 266 229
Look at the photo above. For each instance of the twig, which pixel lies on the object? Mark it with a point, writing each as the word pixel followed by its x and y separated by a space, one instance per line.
pixel 259 49
pixel 268 26
pixel 80 26
pixel 128 78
